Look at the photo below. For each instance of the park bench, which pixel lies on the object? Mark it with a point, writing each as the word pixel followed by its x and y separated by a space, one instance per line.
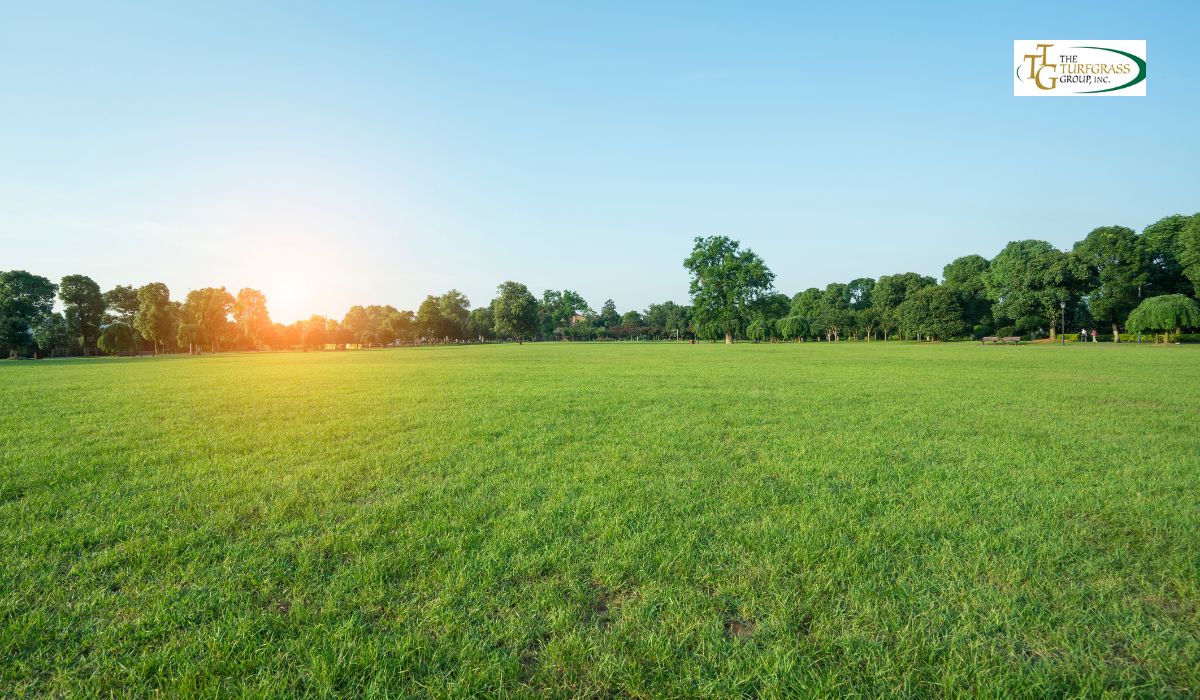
pixel 1014 339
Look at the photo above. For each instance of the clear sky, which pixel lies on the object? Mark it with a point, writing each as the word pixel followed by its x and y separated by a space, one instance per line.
pixel 349 152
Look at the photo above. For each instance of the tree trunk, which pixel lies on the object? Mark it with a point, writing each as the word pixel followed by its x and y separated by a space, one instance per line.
pixel 729 337
pixel 1116 333
pixel 1052 331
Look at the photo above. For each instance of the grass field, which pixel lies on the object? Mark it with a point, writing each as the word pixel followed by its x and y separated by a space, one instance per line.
pixel 598 519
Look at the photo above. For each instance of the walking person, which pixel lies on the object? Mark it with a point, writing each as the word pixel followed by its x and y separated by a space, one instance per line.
pixel 1094 336
pixel 1083 335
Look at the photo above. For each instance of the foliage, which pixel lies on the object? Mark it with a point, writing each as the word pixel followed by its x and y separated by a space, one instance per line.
pixel 932 312
pixel 1161 246
pixel 250 315
pixel 83 307
pixel 725 284
pixel 1189 250
pixel 117 337
pixel 206 312
pixel 156 319
pixel 515 311
pixel 1117 272
pixel 1165 313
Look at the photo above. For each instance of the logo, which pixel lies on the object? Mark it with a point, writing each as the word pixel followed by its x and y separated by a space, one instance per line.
pixel 1077 68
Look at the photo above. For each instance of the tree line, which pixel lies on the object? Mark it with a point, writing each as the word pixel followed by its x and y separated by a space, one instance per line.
pixel 1115 276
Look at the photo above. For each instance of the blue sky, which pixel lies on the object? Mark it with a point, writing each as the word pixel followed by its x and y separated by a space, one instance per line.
pixel 341 153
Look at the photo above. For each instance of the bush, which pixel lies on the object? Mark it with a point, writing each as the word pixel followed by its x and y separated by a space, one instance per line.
pixel 980 331
pixel 1006 331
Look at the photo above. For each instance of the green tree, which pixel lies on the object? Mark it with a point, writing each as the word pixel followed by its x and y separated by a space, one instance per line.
pixel 117 337
pixel 891 291
pixel 430 324
pixel 964 277
pixel 609 318
pixel 861 292
pixel 83 306
pixel 515 311
pixel 454 308
pixel 1189 251
pixel 51 334
pixel 25 299
pixel 725 284
pixel 1033 278
pixel 207 310
pixel 250 314
pixel 668 318
pixel 806 304
pixel 315 333
pixel 481 324
pixel 632 319
pixel 834 315
pixel 1117 273
pixel 155 319
pixel 121 304
pixel 932 312
pixel 402 325
pixel 1165 313
pixel 556 309
pixel 759 329
pixel 793 327
pixel 1161 245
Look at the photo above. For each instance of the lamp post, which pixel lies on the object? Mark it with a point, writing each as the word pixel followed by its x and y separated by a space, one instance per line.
pixel 1063 305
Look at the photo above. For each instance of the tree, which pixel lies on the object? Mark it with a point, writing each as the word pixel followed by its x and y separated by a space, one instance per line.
pixel 207 310
pixel 1165 313
pixel 556 309
pixel 454 308
pixel 1161 245
pixel 430 323
pixel 25 299
pixel 121 304
pixel 932 312
pixel 861 291
pixel 868 320
pixel 667 318
pixel 759 329
pixel 117 337
pixel 793 327
pixel 964 277
pixel 1189 251
pixel 515 311
pixel 632 319
pixel 401 325
pixel 481 323
pixel 834 316
pixel 725 283
pixel 250 314
pixel 891 291
pixel 154 319
pixel 609 318
pixel 83 306
pixel 1033 278
pixel 51 334
pixel 807 304
pixel 315 333
pixel 1117 273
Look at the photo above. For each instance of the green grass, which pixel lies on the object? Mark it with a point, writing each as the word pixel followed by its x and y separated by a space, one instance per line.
pixel 599 519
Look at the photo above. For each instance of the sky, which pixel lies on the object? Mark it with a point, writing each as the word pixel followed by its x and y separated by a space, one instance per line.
pixel 341 153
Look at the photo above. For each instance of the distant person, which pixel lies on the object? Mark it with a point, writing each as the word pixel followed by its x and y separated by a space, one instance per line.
pixel 1094 336
pixel 1083 335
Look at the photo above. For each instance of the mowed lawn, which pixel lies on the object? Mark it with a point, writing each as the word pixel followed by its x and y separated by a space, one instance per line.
pixel 599 519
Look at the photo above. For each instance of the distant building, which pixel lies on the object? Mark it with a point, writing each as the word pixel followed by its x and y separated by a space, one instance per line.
pixel 576 319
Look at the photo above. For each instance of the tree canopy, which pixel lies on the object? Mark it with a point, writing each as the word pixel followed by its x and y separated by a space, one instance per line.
pixel 725 283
